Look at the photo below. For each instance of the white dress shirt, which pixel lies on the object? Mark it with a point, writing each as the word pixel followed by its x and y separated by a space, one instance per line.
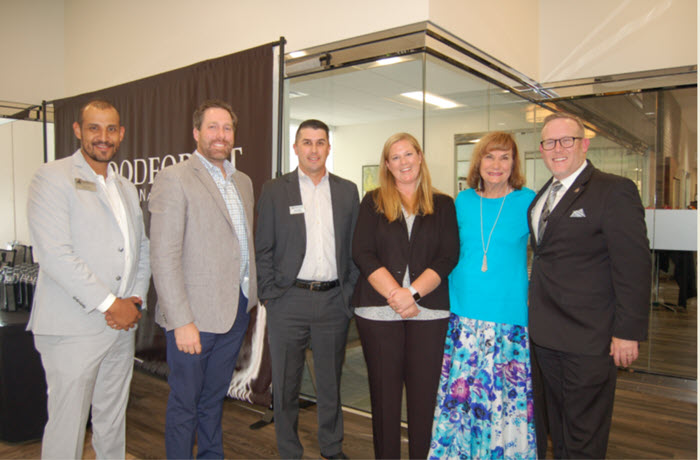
pixel 319 260
pixel 565 184
pixel 109 186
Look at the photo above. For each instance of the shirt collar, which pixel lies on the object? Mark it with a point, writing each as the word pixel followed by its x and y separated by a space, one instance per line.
pixel 304 177
pixel 213 169
pixel 111 176
pixel 567 181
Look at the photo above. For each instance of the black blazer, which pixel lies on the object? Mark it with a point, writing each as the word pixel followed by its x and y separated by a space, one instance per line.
pixel 378 243
pixel 591 275
pixel 280 236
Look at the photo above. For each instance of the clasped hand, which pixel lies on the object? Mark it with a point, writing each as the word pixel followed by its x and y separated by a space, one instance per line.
pixel 402 302
pixel 123 314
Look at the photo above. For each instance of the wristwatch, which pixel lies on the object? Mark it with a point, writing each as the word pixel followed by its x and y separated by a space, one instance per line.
pixel 416 295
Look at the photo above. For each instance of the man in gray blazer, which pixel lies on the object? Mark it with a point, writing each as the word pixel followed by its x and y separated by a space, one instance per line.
pixel 87 229
pixel 306 276
pixel 204 273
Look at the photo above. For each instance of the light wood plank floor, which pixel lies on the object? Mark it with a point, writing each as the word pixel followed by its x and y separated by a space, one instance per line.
pixel 654 417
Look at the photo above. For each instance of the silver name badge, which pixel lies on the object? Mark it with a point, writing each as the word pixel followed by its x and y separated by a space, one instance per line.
pixel 82 184
pixel 298 209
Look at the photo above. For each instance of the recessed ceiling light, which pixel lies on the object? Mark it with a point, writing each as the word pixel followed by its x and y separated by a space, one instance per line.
pixel 294 94
pixel 389 61
pixel 431 99
pixel 297 54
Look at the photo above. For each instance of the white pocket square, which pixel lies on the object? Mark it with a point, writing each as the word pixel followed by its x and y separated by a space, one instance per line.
pixel 578 213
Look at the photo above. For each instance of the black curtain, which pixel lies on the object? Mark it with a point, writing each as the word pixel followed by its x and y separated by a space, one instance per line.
pixel 157 114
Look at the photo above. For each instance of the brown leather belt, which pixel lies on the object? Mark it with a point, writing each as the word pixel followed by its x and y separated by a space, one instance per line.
pixel 316 285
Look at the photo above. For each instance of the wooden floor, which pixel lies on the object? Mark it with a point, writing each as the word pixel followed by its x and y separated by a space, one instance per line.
pixel 671 348
pixel 654 417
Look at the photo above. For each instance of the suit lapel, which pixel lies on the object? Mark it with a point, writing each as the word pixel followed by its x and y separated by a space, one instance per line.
pixel 201 173
pixel 336 203
pixel 572 194
pixel 83 171
pixel 294 199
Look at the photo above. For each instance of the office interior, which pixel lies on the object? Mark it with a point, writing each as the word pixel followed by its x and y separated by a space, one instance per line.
pixel 444 71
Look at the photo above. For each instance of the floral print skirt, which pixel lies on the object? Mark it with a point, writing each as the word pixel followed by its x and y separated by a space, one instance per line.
pixel 484 405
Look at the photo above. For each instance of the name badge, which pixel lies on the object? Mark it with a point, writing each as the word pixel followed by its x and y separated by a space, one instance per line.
pixel 298 209
pixel 81 184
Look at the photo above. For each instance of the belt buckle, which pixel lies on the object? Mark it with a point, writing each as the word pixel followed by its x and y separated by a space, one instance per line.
pixel 315 285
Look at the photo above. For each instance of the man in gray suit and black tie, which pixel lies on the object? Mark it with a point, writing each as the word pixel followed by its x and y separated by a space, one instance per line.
pixel 87 229
pixel 306 276
pixel 204 273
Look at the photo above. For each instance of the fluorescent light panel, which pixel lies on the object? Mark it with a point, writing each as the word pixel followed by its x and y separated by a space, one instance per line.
pixel 431 99
pixel 389 61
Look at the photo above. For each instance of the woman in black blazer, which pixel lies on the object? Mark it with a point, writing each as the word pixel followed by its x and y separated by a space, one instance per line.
pixel 405 244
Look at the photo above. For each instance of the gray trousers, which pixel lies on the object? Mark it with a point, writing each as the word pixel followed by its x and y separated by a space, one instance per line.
pixel 83 371
pixel 297 320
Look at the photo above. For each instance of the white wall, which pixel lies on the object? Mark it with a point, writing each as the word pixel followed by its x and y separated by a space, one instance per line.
pixel 505 29
pixel 604 37
pixel 21 153
pixel 58 48
pixel 31 50
pixel 110 42
pixel 358 145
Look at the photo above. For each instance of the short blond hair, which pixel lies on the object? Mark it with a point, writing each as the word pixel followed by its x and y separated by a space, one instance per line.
pixel 566 116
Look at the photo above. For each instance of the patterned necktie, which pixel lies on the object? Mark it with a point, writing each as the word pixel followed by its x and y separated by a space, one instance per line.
pixel 547 209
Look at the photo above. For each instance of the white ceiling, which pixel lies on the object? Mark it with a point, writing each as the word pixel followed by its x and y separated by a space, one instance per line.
pixel 369 94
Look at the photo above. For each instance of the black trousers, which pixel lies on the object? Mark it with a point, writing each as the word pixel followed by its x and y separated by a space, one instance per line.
pixel 398 353
pixel 579 391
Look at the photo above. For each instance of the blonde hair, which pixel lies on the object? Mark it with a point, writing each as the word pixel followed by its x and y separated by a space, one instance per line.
pixel 387 199
pixel 496 140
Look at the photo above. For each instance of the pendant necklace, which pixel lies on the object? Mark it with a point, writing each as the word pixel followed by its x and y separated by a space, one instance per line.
pixel 485 247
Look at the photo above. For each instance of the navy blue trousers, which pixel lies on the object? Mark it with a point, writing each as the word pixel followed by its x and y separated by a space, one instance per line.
pixel 198 386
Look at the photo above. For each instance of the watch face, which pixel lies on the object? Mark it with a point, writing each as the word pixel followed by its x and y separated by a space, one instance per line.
pixel 416 296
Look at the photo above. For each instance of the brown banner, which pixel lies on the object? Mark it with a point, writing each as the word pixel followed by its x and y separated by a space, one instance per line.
pixel 157 114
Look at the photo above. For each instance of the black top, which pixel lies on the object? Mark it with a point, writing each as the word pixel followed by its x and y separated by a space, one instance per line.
pixel 377 243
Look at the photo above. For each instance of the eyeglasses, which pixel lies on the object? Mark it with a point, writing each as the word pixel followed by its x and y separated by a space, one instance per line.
pixel 565 142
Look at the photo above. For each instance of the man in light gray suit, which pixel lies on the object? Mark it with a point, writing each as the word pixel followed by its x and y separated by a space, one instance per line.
pixel 204 273
pixel 306 276
pixel 87 230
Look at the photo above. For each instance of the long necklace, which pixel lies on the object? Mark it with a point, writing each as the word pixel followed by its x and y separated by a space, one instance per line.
pixel 485 247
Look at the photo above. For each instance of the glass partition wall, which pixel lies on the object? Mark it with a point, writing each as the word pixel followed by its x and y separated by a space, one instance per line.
pixel 447 96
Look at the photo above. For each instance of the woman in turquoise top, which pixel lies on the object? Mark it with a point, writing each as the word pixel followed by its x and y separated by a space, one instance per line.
pixel 484 407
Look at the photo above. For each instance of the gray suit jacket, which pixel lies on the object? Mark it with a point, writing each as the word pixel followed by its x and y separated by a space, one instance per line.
pixel 280 239
pixel 80 247
pixel 195 254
